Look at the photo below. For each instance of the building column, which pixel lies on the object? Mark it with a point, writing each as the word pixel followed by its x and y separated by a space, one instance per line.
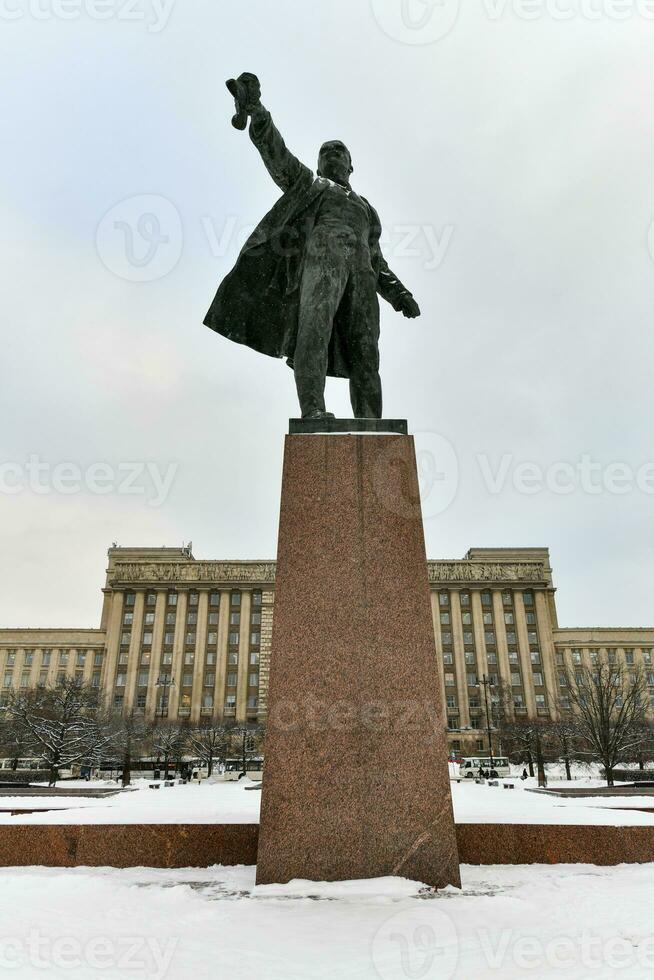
pixel 134 653
pixel 200 651
pixel 482 659
pixel 267 602
pixel 107 601
pixel 88 665
pixel 439 666
pixel 547 653
pixel 243 656
pixel 221 655
pixel 459 660
pixel 177 665
pixel 108 676
pixel 157 645
pixel 480 629
pixel 503 666
pixel 525 657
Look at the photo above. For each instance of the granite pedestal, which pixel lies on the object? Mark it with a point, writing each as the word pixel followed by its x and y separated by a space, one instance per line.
pixel 356 781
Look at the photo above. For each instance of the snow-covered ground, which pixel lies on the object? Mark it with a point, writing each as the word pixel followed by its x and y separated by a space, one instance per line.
pixel 231 802
pixel 564 922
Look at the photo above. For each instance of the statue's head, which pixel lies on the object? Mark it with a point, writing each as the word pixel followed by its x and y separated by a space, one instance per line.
pixel 335 162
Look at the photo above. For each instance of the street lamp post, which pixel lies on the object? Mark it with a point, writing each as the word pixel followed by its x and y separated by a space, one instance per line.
pixel 165 682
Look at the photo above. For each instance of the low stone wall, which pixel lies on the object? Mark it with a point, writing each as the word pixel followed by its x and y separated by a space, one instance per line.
pixel 201 845
pixel 554 844
pixel 128 845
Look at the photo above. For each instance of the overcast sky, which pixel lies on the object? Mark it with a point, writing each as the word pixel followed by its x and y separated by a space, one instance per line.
pixel 512 162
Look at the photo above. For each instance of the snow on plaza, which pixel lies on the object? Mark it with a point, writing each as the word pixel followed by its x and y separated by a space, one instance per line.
pixel 565 921
pixel 570 921
pixel 233 802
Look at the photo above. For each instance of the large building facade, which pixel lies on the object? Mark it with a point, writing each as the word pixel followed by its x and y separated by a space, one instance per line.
pixel 190 640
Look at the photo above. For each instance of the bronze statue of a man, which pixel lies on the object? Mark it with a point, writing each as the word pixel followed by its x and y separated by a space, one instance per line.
pixel 305 284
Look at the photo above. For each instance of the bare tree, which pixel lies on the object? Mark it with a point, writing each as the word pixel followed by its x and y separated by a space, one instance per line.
pixel 13 741
pixel 643 750
pixel 210 743
pixel 527 740
pixel 565 735
pixel 61 725
pixel 169 742
pixel 129 735
pixel 518 738
pixel 247 738
pixel 611 705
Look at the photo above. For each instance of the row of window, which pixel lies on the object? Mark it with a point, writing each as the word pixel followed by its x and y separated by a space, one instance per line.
pixel 580 678
pixel 480 745
pixel 189 639
pixel 206 704
pixel 209 679
pixel 64 657
pixel 577 656
pixel 193 598
pixel 486 598
pixel 516 679
pixel 487 618
pixel 188 658
pixel 25 679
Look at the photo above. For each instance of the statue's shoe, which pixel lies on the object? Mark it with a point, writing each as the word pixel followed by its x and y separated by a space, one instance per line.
pixel 240 93
pixel 319 415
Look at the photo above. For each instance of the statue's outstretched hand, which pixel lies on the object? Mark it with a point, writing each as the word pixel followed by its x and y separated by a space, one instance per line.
pixel 246 90
pixel 408 306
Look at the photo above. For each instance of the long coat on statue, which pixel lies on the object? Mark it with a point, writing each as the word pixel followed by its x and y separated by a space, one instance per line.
pixel 257 304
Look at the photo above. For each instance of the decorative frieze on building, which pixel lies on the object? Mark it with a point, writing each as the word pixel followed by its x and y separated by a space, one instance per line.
pixel 472 571
pixel 211 572
pixel 131 573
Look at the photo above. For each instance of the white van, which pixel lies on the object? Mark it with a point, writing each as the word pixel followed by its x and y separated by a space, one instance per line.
pixel 471 765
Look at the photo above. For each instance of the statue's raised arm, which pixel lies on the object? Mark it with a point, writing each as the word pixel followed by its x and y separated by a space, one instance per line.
pixel 284 168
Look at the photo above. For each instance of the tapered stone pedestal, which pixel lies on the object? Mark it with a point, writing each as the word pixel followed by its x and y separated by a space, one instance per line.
pixel 356 782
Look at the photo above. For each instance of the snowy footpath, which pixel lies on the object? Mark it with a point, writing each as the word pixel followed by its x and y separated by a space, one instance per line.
pixel 567 922
pixel 233 802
